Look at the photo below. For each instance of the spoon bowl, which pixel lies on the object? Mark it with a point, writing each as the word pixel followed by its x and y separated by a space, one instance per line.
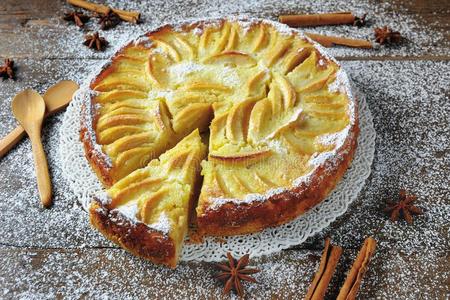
pixel 56 98
pixel 59 95
pixel 29 109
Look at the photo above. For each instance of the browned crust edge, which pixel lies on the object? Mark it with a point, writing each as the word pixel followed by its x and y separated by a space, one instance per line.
pixel 97 162
pixel 137 238
pixel 235 219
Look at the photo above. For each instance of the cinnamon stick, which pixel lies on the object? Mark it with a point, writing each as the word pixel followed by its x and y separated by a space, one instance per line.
pixel 128 16
pixel 356 273
pixel 328 262
pixel 331 41
pixel 336 18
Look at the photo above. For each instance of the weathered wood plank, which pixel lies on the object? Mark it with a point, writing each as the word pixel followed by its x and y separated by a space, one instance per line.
pixel 110 273
pixel 43 34
pixel 106 273
pixel 409 99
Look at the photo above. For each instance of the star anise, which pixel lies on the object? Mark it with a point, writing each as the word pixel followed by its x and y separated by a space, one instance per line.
pixel 77 17
pixel 94 41
pixel 233 272
pixel 108 20
pixel 7 70
pixel 385 35
pixel 360 21
pixel 404 208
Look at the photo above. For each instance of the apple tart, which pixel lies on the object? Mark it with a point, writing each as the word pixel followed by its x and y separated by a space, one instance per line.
pixel 276 112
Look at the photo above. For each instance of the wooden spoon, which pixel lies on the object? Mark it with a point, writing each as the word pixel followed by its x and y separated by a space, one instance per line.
pixel 56 98
pixel 29 108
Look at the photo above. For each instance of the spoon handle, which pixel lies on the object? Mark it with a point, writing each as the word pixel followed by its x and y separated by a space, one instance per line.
pixel 42 174
pixel 11 140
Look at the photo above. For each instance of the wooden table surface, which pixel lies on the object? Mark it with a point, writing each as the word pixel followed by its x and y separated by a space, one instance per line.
pixel 54 253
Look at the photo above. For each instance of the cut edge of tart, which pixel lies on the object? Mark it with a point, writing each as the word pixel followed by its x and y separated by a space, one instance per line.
pixel 278 113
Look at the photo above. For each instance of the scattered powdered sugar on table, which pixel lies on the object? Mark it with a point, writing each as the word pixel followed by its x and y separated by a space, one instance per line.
pixel 420 40
pixel 410 104
pixel 128 277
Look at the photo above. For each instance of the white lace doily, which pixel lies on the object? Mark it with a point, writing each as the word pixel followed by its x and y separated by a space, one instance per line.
pixel 84 183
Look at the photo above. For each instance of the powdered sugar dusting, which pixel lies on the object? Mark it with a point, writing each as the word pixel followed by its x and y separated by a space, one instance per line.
pixel 276 146
pixel 229 77
pixel 91 135
pixel 179 71
pixel 336 138
pixel 305 179
pixel 102 196
pixel 129 210
pixel 248 199
pixel 162 225
pixel 342 85
pixel 404 109
pixel 197 31
pixel 338 84
pixel 143 41
pixel 420 39
pixel 165 94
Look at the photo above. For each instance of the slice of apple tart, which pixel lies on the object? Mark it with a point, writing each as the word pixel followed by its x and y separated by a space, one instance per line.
pixel 147 211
